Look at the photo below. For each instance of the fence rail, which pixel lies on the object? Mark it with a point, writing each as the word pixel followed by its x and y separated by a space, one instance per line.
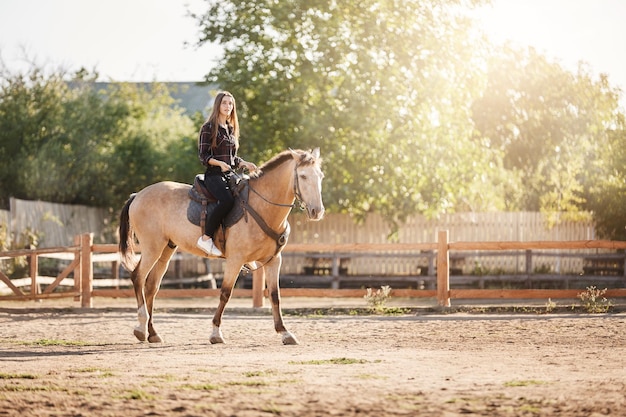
pixel 84 253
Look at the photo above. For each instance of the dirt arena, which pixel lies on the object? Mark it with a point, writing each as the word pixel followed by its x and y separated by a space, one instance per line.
pixel 73 362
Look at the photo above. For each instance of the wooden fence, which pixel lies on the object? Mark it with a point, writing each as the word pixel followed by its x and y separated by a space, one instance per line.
pixel 57 224
pixel 84 253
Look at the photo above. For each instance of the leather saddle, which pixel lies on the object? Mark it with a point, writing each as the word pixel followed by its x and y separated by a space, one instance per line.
pixel 203 202
pixel 199 192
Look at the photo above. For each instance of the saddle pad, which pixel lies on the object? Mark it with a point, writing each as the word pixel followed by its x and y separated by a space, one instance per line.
pixel 194 209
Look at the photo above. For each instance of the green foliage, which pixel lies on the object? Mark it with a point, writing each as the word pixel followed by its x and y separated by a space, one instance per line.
pixel 16 267
pixel 377 299
pixel 414 112
pixel 608 193
pixel 70 142
pixel 550 306
pixel 594 301
pixel 552 132
pixel 371 86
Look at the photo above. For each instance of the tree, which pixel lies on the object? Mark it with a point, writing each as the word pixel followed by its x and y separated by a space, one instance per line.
pixel 384 90
pixel 549 128
pixel 68 142
pixel 607 195
pixel 158 141
pixel 51 137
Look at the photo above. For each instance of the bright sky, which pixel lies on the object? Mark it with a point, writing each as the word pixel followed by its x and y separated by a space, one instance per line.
pixel 124 40
pixel 144 40
pixel 566 30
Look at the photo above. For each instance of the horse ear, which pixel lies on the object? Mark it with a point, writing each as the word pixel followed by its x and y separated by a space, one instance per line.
pixel 316 153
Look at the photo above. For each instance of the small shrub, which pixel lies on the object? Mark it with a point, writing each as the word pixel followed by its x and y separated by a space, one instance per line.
pixel 17 267
pixel 377 300
pixel 543 269
pixel 481 270
pixel 593 300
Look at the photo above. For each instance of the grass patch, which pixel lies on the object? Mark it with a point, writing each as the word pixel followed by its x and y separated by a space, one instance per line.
pixel 523 383
pixel 255 383
pixel 372 376
pixel 271 408
pixel 17 376
pixel 21 388
pixel 138 394
pixel 165 377
pixel 101 372
pixel 202 387
pixel 56 342
pixel 333 361
pixel 530 409
pixel 253 374
pixel 395 311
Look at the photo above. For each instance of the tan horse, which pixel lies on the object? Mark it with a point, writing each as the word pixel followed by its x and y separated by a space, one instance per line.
pixel 157 216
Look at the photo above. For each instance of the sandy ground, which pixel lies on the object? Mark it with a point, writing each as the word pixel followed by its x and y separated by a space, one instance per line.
pixel 65 361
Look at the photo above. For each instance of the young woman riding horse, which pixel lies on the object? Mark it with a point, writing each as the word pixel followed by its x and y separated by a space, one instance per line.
pixel 157 217
pixel 217 149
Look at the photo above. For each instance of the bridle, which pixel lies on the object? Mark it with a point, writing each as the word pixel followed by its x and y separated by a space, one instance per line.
pixel 279 238
pixel 296 192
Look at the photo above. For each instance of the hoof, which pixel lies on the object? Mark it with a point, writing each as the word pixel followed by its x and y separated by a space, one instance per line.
pixel 155 339
pixel 216 336
pixel 289 339
pixel 215 340
pixel 141 336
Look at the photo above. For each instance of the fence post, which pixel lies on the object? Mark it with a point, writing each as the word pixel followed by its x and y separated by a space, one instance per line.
pixel 258 286
pixel 529 262
pixel 443 269
pixel 77 270
pixel 86 266
pixel 33 262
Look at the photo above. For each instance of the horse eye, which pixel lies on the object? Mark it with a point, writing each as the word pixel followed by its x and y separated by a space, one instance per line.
pixel 303 176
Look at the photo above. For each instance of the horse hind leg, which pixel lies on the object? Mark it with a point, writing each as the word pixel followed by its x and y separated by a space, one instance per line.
pixel 138 279
pixel 153 283
pixel 146 281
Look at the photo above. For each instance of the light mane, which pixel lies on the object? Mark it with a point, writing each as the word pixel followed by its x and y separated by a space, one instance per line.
pixel 306 158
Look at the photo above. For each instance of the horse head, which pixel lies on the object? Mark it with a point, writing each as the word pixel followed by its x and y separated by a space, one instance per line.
pixel 308 182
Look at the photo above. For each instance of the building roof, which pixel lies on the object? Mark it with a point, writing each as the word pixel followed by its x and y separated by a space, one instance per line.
pixel 191 96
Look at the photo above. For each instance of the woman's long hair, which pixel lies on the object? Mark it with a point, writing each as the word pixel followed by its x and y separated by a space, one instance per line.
pixel 232 120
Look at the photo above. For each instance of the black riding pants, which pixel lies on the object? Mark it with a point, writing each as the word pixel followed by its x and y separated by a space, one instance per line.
pixel 218 185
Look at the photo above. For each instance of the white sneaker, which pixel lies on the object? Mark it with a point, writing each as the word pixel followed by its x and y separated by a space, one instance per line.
pixel 209 247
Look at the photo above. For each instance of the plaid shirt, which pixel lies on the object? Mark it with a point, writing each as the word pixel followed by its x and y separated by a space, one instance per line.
pixel 224 151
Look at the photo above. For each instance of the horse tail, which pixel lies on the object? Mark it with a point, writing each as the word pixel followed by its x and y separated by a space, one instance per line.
pixel 126 246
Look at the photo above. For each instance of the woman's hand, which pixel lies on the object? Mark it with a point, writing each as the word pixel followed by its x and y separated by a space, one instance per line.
pixel 248 165
pixel 224 166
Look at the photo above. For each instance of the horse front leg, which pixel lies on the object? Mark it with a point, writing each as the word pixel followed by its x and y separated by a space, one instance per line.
pixel 231 273
pixel 272 272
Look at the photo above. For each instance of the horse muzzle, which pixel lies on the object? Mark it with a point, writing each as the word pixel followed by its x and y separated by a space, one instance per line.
pixel 315 213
